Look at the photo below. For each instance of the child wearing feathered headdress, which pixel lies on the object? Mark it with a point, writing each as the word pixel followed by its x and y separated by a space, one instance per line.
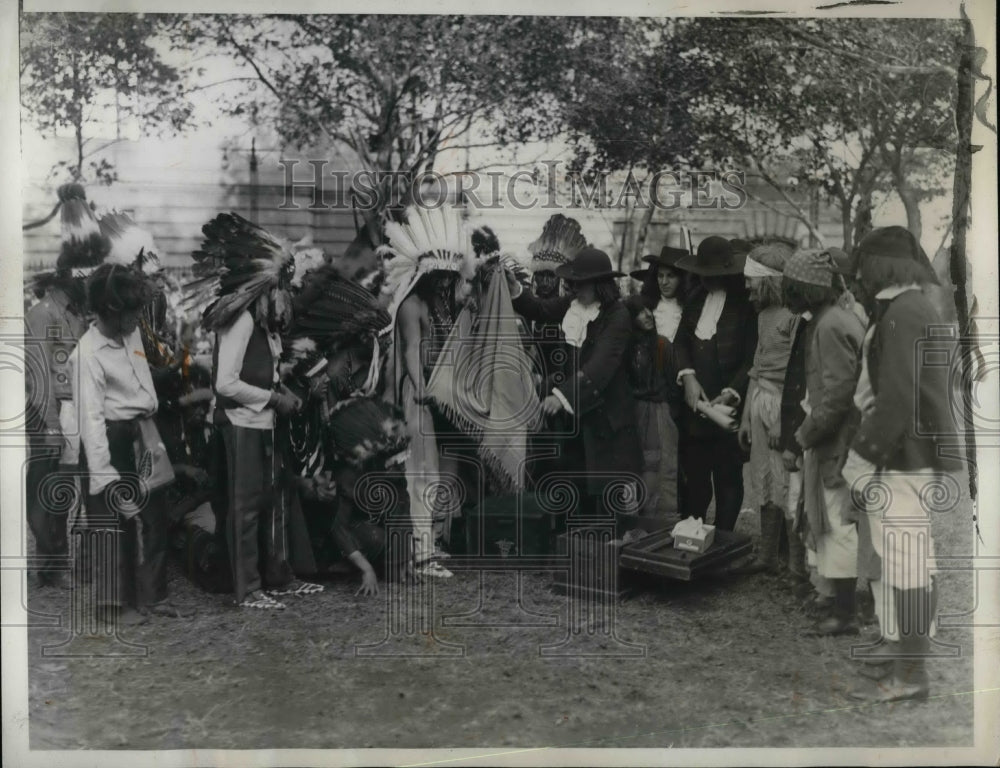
pixel 247 272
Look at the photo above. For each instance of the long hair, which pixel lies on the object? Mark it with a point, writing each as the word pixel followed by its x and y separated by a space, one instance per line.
pixel 650 290
pixel 802 297
pixel 113 288
pixel 606 291
pixel 770 291
pixel 733 285
pixel 879 272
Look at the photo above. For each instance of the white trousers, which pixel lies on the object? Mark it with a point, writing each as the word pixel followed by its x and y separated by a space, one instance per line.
pixel 837 549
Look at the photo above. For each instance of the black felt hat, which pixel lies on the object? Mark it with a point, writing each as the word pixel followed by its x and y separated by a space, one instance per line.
pixel 716 257
pixel 589 264
pixel 668 257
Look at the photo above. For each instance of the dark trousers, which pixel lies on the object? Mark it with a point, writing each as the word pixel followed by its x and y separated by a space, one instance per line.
pixel 139 544
pixel 47 517
pixel 706 464
pixel 256 523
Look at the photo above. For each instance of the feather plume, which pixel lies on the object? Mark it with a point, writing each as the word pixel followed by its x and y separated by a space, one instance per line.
pixel 83 245
pixel 485 242
pixel 129 244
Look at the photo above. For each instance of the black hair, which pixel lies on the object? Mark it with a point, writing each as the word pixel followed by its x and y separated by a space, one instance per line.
pixel 733 285
pixel 878 272
pixel 606 291
pixel 113 288
pixel 427 284
pixel 635 304
pixel 801 297
pixel 650 290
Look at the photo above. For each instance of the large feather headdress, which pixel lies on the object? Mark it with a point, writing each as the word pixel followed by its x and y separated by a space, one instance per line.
pixel 331 311
pixel 431 240
pixel 238 263
pixel 365 431
pixel 561 240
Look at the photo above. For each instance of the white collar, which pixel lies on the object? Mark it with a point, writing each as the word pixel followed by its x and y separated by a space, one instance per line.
pixel 667 315
pixel 708 321
pixel 576 320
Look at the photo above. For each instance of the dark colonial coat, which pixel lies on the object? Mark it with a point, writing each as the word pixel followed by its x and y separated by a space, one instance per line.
pixel 599 392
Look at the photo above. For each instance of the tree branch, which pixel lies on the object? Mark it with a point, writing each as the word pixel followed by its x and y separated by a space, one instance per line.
pixel 796 208
pixel 816 42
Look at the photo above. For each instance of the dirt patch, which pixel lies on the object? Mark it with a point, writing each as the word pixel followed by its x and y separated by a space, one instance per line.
pixel 721 663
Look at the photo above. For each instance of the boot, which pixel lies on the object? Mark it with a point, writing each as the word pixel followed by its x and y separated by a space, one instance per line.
pixel 797 579
pixel 909 672
pixel 842 620
pixel 877 661
pixel 771 521
pixel 766 559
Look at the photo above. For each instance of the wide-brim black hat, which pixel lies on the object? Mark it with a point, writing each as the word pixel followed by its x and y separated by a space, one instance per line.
pixel 716 257
pixel 589 264
pixel 667 257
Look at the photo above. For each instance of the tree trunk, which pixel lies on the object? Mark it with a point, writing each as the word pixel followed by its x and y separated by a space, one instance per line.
pixel 960 221
pixel 644 222
pixel 863 218
pixel 909 196
pixel 911 204
pixel 846 224
pixel 78 124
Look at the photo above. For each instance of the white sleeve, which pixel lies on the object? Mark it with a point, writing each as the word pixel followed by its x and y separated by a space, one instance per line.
pixel 232 347
pixel 93 434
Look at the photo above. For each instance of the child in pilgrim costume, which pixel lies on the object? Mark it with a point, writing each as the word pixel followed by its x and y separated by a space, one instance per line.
pixel 657 312
pixel 715 346
pixel 596 322
pixel 899 445
pixel 53 327
pixel 832 344
pixel 428 261
pixel 760 429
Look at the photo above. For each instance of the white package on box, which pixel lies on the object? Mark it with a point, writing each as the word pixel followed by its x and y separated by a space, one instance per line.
pixel 692 535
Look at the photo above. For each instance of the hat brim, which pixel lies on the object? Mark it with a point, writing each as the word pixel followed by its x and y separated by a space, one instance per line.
pixel 566 272
pixel 640 274
pixel 667 257
pixel 690 264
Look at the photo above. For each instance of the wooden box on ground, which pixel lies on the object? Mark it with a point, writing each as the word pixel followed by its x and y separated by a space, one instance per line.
pixel 592 568
pixel 655 554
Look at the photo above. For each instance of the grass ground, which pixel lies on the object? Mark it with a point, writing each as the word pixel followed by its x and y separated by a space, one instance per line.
pixel 725 664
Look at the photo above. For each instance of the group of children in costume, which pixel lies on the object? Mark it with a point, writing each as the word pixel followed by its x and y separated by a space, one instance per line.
pixel 324 383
